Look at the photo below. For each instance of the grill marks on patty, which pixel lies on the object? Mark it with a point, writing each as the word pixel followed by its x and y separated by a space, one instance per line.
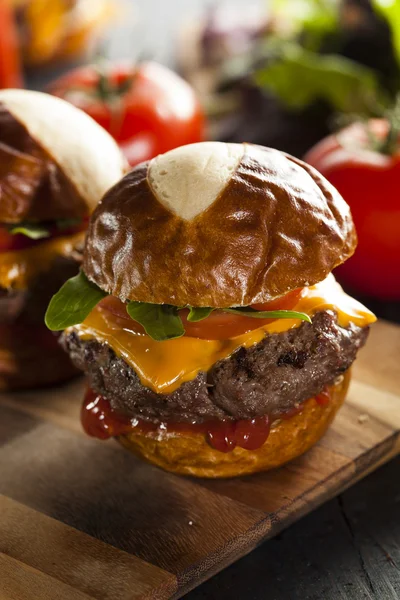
pixel 270 377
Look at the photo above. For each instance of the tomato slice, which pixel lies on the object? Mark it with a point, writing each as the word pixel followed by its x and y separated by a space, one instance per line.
pixel 5 240
pixel 117 308
pixel 9 242
pixel 218 326
pixel 221 326
pixel 283 303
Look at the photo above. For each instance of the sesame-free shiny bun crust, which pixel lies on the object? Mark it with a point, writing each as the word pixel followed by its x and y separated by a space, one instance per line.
pixel 288 439
pixel 56 162
pixel 275 224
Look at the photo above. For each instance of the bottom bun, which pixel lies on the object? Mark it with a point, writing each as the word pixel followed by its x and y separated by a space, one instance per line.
pixel 190 454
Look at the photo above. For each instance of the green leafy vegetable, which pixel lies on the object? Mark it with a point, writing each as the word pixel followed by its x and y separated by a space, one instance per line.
pixel 38 231
pixel 34 231
pixel 78 296
pixel 268 314
pixel 390 10
pixel 299 77
pixel 312 19
pixel 73 302
pixel 160 321
pixel 198 314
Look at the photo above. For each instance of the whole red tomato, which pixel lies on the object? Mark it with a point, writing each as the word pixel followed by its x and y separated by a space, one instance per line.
pixel 147 108
pixel 369 181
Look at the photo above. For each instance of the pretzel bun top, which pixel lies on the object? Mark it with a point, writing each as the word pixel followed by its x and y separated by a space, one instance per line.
pixel 217 224
pixel 56 162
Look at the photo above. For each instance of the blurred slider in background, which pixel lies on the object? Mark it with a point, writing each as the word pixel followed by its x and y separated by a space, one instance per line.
pixel 52 174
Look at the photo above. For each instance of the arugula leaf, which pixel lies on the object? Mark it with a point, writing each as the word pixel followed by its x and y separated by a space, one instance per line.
pixel 73 302
pixel 78 296
pixel 38 231
pixel 390 10
pixel 299 77
pixel 160 321
pixel 269 314
pixel 198 314
pixel 34 231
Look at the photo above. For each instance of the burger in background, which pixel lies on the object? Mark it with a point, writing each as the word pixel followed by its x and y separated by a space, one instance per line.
pixel 55 165
pixel 147 108
pixel 215 339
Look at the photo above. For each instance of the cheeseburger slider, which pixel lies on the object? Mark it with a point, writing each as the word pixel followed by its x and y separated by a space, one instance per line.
pixel 215 339
pixel 55 164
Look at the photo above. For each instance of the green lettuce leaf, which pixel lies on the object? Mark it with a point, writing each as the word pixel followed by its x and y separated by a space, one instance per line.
pixel 299 77
pixel 160 321
pixel 73 303
pixel 34 231
pixel 312 19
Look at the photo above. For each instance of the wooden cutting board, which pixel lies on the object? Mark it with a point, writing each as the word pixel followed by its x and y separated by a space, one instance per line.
pixel 83 519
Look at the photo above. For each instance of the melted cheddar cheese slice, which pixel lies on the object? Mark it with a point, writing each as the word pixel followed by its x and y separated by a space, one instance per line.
pixel 19 268
pixel 164 366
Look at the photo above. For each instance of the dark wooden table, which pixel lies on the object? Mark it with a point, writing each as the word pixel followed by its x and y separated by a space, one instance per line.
pixel 350 547
pixel 347 549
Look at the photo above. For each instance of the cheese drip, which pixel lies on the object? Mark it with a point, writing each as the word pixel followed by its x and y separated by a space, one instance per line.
pixel 164 366
pixel 19 268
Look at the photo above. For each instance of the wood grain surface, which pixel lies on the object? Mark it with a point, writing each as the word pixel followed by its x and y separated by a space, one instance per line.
pixel 348 549
pixel 80 518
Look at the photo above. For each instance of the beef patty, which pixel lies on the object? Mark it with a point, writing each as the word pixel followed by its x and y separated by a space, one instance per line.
pixel 270 377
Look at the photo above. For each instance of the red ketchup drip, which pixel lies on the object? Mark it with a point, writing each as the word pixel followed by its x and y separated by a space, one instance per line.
pixel 221 435
pixel 100 420
pixel 249 434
